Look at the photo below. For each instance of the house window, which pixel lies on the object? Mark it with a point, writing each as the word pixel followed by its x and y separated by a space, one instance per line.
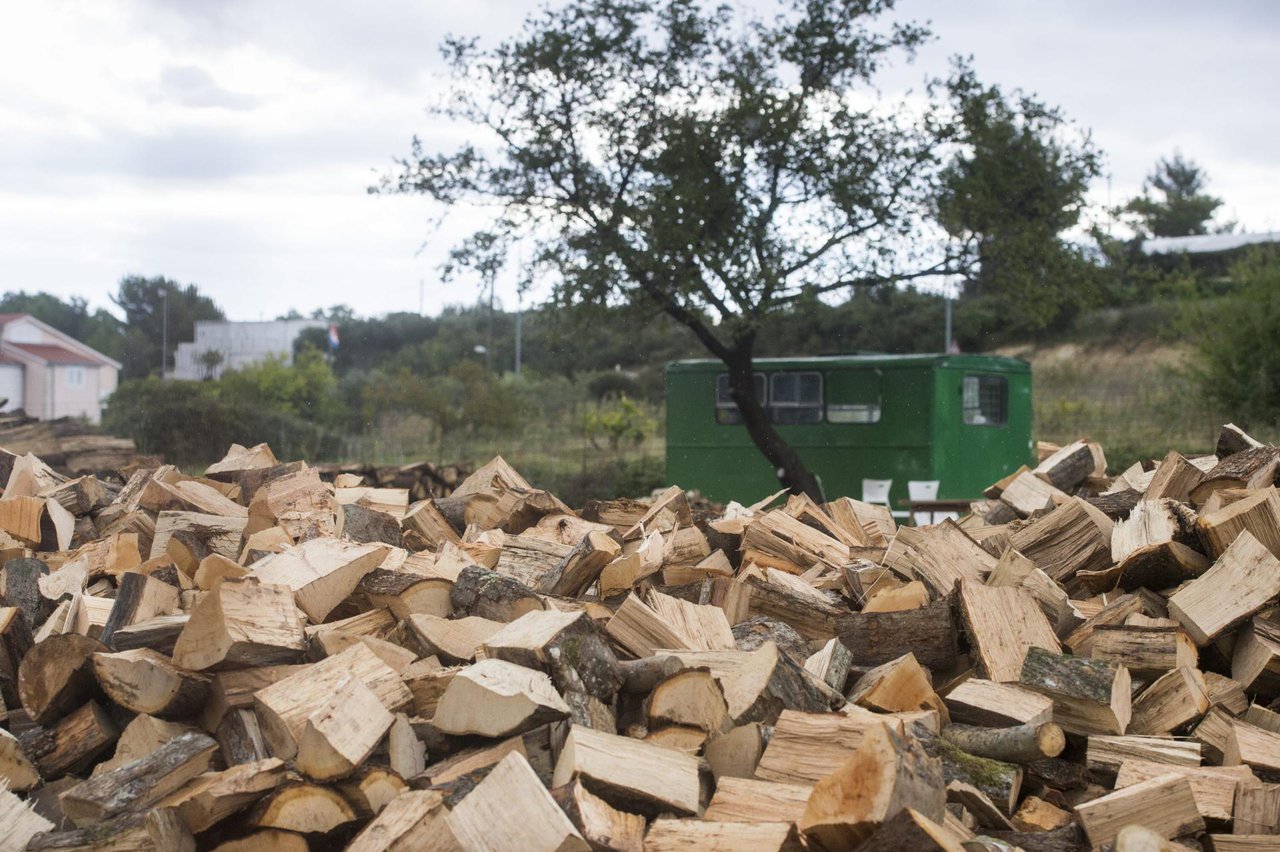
pixel 985 400
pixel 726 411
pixel 795 397
pixel 75 377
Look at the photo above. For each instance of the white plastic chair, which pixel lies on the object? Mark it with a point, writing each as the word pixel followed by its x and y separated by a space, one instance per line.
pixel 876 491
pixel 923 489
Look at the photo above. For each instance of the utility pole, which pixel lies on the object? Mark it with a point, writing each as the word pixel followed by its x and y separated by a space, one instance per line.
pixel 519 315
pixel 164 333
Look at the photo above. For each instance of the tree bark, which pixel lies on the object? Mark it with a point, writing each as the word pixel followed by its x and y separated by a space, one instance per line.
pixel 790 470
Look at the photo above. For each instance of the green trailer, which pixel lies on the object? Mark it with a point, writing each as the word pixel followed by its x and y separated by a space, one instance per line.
pixel 961 420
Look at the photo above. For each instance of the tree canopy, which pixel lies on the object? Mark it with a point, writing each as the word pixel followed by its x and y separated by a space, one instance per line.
pixel 144 301
pixel 1173 201
pixel 718 164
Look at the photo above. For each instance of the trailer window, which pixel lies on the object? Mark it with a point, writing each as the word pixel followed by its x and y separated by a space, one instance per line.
pixel 726 411
pixel 985 400
pixel 853 396
pixel 795 397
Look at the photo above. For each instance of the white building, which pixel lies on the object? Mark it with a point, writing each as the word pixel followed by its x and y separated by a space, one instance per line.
pixel 238 343
pixel 50 374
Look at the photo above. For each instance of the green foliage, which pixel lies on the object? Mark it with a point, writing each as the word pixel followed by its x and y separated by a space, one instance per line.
pixel 144 301
pixel 468 399
pixel 1018 184
pixel 620 422
pixel 1237 341
pixel 1173 201
pixel 191 424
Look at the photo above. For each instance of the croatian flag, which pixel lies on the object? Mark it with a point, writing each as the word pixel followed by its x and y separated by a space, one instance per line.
pixel 333 336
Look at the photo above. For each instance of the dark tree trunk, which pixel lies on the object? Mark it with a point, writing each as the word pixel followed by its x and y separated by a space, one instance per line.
pixel 788 467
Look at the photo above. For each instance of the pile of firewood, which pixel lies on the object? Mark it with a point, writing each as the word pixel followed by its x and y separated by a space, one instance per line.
pixel 420 479
pixel 262 660
pixel 68 444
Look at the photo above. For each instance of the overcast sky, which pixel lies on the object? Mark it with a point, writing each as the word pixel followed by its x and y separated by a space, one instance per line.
pixel 229 144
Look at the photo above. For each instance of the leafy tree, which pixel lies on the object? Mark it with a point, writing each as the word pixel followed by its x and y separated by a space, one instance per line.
pixel 1237 359
pixel 714 163
pixel 1018 183
pixel 619 422
pixel 305 389
pixel 143 301
pixel 1173 201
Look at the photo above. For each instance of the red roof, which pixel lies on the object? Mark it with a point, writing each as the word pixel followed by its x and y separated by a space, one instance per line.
pixel 4 318
pixel 53 354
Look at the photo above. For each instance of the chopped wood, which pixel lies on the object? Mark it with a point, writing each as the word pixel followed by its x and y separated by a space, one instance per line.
pixel 928 632
pixel 1027 494
pixel 1105 754
pixel 71 743
pixel 806 747
pixel 1256 809
pixel 56 675
pixel 1147 652
pixel 1165 804
pixel 1176 699
pixel 494 698
pixel 1213 787
pixel 241 623
pixel 630 775
pixel 1073 537
pixel 1245 577
pixel 321 572
pixel 1003 623
pixel 983 702
pixel 1066 468
pixel 1016 744
pixel 1089 696
pixel 145 681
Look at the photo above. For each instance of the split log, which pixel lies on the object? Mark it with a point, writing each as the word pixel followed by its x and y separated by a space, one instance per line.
pixel 414 820
pixel 1257 514
pixel 284 707
pixel 15 643
pixel 885 774
pixel 928 632
pixel 371 789
pixel 567 646
pixel 1255 660
pixel 1089 696
pixel 1003 623
pixel 1254 747
pixel 425 528
pixel 1104 755
pixel 159 634
pixel 20 587
pixel 759 685
pixel 452 640
pixel 1073 537
pixel 1147 652
pixel 736 753
pixel 17 772
pixel 1213 787
pixel 342 731
pixel 1027 494
pixel 241 624
pixel 188 537
pixel 983 702
pixel 831 664
pixel 299 502
pixel 233 690
pixel 600 824
pixel 365 525
pixel 488 594
pixel 749 800
pixel 1068 467
pixel 807 747
pixel 493 698
pixel 22 826
pixel 1176 699
pixel 240 737
pixel 405 593
pixel 1256 809
pixel 1017 744
pixel 939 556
pixel 898 685
pixel 71 743
pixel 628 774
pixel 676 835
pixel 1245 577
pixel 302 808
pixel 56 676
pixel 511 808
pixel 1164 804
pixel 320 572
pixel 691 698
pixel 139 784
pixel 144 681
pixel 582 566
pixel 910 829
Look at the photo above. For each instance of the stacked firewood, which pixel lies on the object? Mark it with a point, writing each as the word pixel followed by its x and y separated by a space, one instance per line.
pixel 259 659
pixel 420 479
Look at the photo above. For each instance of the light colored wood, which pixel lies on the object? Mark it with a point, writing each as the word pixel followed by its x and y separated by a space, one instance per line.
pixel 413 821
pixel 302 808
pixel 56 676
pixel 265 840
pixel 736 753
pixel 630 775
pixel 1073 537
pixel 233 690
pixel 1241 842
pixel 1066 467
pixel 188 496
pixel 342 731
pixel 1214 787
pixel 1256 809
pixel 1147 652
pixel 143 735
pixel 1258 514
pixel 690 698
pixel 1018 571
pixel 1244 578
pixel 677 835
pixel 1255 660
pixel 777 540
pixel 939 556
pixel 407 754
pixel 212 797
pixel 831 664
pixel 983 702
pixel 19 823
pixel 188 537
pixel 1089 696
pixel 283 707
pixel 1164 804
pixel 1003 623
pixel 876 522
pixel 241 623
pixel 1175 479
pixel 884 774
pixel 511 809
pixel 215 567
pixel 144 681
pixel 1106 753
pixel 807 747
pixel 600 824
pixel 371 789
pixel 913 595
pixel 493 698
pixel 643 629
pixel 1254 747
pixel 1175 699
pixel 1213 732
pixel 240 458
pixel 452 640
pixel 1027 493
pixel 20 518
pixel 321 572
pixel 1035 814
pixel 299 503
pixel 896 686
pixel 17 772
pixel 751 800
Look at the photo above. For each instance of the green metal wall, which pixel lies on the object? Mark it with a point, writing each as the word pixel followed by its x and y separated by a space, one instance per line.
pixel 920 434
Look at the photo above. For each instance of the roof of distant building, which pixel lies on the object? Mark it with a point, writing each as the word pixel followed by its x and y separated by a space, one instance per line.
pixel 1206 243
pixel 53 354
